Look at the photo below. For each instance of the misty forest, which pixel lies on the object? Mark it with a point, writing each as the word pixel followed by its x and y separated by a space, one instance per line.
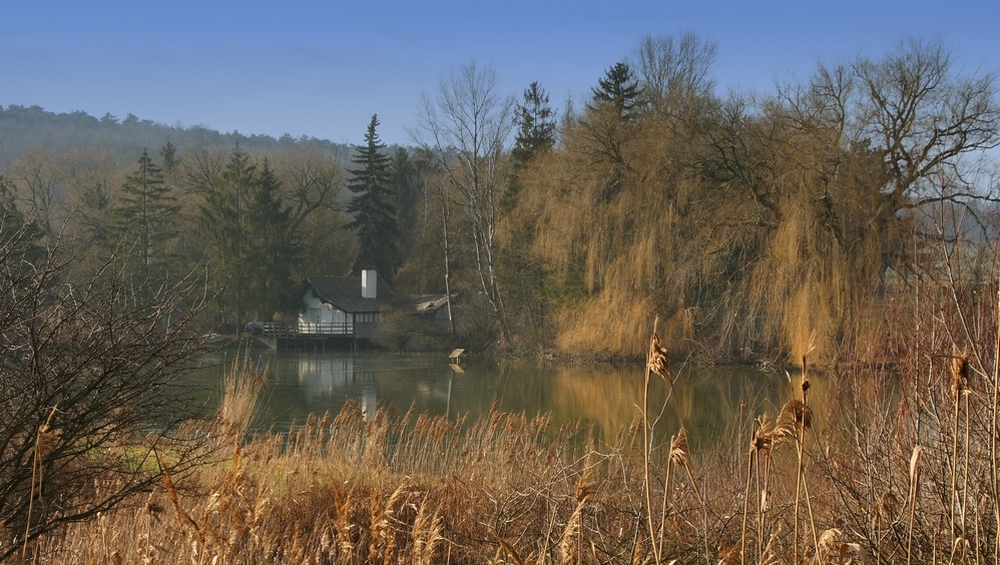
pixel 847 221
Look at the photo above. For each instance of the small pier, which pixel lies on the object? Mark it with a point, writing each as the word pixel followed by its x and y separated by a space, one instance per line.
pixel 312 337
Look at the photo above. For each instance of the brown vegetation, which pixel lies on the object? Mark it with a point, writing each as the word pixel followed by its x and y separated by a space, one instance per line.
pixel 758 228
pixel 890 466
pixel 790 228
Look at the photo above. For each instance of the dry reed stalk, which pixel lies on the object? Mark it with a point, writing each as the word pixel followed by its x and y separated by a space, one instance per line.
pixel 45 440
pixel 427 528
pixel 746 495
pixel 183 518
pixel 965 481
pixel 967 393
pixel 506 547
pixel 295 553
pixel 763 503
pixel 658 363
pixel 958 373
pixel 994 430
pixel 666 493
pixel 569 543
pixel 914 487
pixel 801 419
pixel 343 524
pixel 686 463
pixel 382 542
pixel 765 438
pixel 240 398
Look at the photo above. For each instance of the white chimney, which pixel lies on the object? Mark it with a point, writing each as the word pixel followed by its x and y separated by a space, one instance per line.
pixel 369 281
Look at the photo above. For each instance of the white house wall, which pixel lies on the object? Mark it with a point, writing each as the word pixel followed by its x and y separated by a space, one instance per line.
pixel 320 317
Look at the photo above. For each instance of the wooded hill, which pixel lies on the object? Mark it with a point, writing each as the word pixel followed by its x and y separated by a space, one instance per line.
pixel 755 226
pixel 27 128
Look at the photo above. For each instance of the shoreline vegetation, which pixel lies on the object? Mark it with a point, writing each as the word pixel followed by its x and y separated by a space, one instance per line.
pixel 904 469
pixel 848 221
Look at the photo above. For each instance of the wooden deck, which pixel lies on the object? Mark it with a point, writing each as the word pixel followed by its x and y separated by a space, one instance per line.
pixel 285 330
pixel 314 337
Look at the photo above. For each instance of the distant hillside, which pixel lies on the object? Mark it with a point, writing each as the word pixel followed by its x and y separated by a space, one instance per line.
pixel 23 128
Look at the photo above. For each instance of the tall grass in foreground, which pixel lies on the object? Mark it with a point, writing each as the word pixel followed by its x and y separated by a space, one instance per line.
pixel 903 469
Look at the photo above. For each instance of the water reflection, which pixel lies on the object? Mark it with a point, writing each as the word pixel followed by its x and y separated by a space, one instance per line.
pixel 712 402
pixel 319 378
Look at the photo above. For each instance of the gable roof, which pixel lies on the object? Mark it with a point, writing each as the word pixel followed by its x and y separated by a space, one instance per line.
pixel 345 293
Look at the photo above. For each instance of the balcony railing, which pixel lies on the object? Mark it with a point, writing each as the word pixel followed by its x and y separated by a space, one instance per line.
pixel 308 328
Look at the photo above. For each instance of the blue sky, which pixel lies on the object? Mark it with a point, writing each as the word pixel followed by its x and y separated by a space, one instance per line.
pixel 322 68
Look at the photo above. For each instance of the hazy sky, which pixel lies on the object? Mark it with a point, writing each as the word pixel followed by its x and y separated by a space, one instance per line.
pixel 322 68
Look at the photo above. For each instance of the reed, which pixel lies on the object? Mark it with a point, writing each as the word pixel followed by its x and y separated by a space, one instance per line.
pixel 869 467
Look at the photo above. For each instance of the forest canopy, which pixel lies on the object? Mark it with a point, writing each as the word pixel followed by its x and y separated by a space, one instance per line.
pixel 755 225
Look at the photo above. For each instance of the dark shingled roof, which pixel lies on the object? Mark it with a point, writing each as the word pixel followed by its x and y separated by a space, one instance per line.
pixel 345 294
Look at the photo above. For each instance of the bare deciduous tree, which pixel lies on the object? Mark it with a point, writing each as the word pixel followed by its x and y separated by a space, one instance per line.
pixel 674 73
pixel 923 118
pixel 38 179
pixel 89 386
pixel 468 129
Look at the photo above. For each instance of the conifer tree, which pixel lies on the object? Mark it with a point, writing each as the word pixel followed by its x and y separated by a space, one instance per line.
pixel 169 154
pixel 249 243
pixel 536 125
pixel 536 133
pixel 373 214
pixel 223 223
pixel 620 90
pixel 145 218
pixel 274 249
pixel 15 228
pixel 406 184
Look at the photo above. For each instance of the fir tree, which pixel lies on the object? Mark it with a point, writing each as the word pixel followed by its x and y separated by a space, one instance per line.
pixel 536 125
pixel 274 251
pixel 248 239
pixel 223 225
pixel 620 90
pixel 536 133
pixel 374 216
pixel 144 219
pixel 169 154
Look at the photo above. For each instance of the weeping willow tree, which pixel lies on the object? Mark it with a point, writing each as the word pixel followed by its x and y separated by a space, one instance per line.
pixel 756 228
pixel 612 207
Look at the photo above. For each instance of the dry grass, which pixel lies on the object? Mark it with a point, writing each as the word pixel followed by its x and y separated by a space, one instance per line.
pixel 895 466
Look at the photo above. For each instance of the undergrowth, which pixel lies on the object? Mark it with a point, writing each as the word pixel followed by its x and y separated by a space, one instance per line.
pixel 899 464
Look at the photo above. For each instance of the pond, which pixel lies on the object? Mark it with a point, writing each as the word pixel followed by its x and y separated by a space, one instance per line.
pixel 708 400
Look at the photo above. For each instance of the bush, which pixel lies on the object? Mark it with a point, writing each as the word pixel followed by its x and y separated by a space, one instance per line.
pixel 88 382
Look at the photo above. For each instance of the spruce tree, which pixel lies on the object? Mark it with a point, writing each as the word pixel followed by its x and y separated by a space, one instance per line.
pixel 169 154
pixel 406 184
pixel 620 90
pixel 536 125
pixel 144 219
pixel 273 251
pixel 609 124
pixel 536 133
pixel 249 245
pixel 373 214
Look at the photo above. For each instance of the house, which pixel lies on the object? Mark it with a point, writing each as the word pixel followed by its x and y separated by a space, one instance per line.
pixel 349 310
pixel 344 306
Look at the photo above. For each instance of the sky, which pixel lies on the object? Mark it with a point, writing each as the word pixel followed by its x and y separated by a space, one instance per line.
pixel 322 68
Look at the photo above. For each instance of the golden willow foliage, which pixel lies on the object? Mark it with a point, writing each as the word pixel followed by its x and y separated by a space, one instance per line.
pixel 755 229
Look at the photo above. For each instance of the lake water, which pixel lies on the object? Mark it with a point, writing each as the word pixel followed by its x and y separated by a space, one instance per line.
pixel 709 401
